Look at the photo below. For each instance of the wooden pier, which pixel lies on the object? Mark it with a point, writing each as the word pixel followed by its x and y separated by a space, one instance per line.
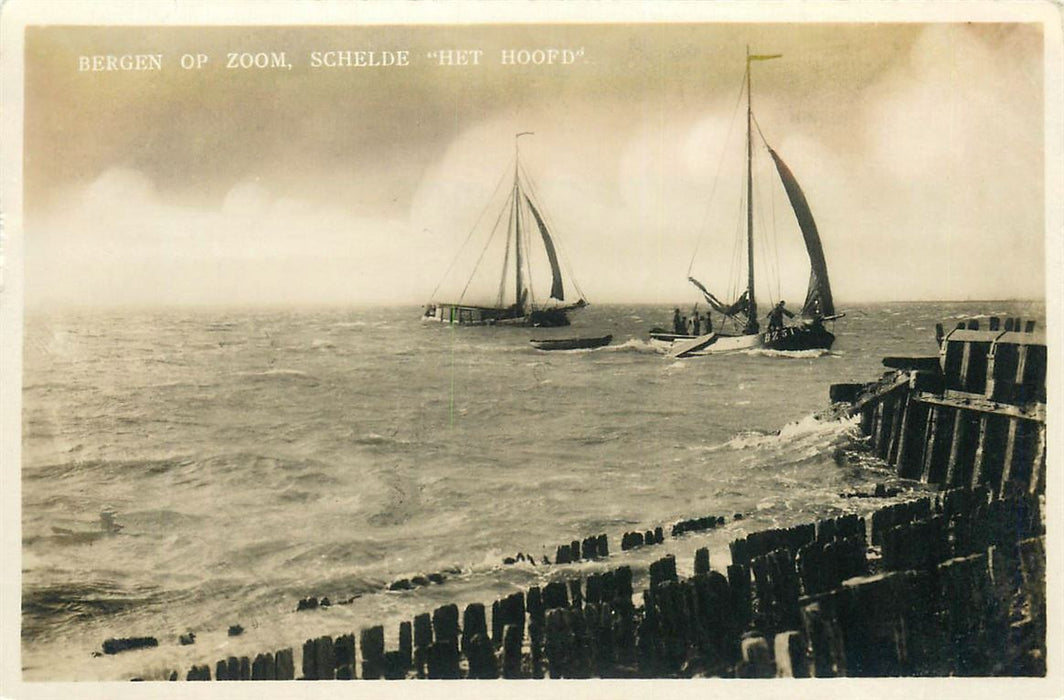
pixel 975 415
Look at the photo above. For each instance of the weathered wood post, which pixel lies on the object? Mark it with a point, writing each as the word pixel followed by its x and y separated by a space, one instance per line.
pixel 537 620
pixel 790 655
pixel 513 637
pixel 443 653
pixel 757 659
pixel 406 644
pixel 422 642
pixel 481 655
pixel 702 560
pixel 372 642
pixel 474 622
pixel 344 657
pixel 285 663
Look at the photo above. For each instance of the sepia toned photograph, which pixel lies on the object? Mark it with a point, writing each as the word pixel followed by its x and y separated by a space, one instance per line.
pixel 612 342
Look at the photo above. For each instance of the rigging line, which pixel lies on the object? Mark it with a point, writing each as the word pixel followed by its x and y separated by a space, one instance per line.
pixel 774 231
pixel 494 230
pixel 558 242
pixel 505 261
pixel 716 175
pixel 768 240
pixel 738 268
pixel 766 262
pixel 764 141
pixel 528 260
pixel 483 211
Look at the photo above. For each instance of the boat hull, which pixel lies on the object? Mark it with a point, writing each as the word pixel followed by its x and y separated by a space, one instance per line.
pixel 571 343
pixel 457 315
pixel 787 339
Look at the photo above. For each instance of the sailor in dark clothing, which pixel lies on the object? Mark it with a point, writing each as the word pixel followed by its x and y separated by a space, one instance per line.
pixel 698 324
pixel 708 327
pixel 677 323
pixel 775 317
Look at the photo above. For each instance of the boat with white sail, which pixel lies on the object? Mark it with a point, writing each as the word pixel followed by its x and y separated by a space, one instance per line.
pixel 528 251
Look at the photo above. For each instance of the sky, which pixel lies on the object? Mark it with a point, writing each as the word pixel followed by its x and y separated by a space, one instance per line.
pixel 920 148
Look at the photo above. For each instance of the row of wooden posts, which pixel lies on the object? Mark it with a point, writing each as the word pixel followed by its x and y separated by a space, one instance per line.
pixel 945 585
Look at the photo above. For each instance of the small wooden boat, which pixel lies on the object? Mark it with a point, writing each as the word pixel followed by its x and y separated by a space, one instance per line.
pixel 571 343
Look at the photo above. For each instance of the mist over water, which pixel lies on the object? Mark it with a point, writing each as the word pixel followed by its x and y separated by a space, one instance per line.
pixel 253 458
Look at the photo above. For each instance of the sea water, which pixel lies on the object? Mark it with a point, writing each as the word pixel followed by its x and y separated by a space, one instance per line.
pixel 256 457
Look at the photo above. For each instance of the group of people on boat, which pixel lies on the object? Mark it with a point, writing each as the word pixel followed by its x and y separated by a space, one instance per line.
pixel 700 325
pixel 696 325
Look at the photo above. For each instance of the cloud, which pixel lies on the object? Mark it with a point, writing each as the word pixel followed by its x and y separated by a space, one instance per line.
pixel 921 159
pixel 120 242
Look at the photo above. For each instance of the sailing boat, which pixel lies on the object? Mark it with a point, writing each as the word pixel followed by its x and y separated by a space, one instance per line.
pixel 524 309
pixel 808 333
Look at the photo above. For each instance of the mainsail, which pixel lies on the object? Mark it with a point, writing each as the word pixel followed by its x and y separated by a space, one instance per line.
pixel 557 291
pixel 818 301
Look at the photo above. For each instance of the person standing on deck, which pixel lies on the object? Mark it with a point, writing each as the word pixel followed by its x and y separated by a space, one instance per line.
pixel 775 317
pixel 709 324
pixel 698 324
pixel 677 323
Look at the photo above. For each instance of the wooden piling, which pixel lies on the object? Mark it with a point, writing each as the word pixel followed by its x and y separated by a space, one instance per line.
pixel 344 656
pixel 757 659
pixel 576 596
pixel 555 595
pixel 900 413
pixel 422 640
pixel 962 449
pixel 481 657
pixel 513 638
pixel 702 560
pixel 790 655
pixel 474 622
pixel 393 666
pixel 406 644
pixel 285 665
pixel 444 660
pixel 371 641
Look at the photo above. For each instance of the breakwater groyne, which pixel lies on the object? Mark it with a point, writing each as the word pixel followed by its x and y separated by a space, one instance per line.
pixel 935 584
pixel 973 415
pixel 950 584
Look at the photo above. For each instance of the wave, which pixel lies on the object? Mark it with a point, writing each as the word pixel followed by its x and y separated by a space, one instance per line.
pixel 106 468
pixel 809 428
pixel 57 603
pixel 295 375
pixel 633 345
pixel 793 354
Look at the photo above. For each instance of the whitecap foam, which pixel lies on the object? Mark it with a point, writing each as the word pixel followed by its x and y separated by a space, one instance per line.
pixel 632 345
pixel 809 428
pixel 793 354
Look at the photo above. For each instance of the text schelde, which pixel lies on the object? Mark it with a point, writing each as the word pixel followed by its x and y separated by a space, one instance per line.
pixel 359 59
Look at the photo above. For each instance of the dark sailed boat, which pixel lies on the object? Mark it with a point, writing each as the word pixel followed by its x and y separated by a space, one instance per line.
pixel 572 343
pixel 808 332
pixel 515 302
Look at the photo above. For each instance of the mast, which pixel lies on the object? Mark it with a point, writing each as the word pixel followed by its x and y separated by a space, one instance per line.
pixel 519 283
pixel 517 231
pixel 751 304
